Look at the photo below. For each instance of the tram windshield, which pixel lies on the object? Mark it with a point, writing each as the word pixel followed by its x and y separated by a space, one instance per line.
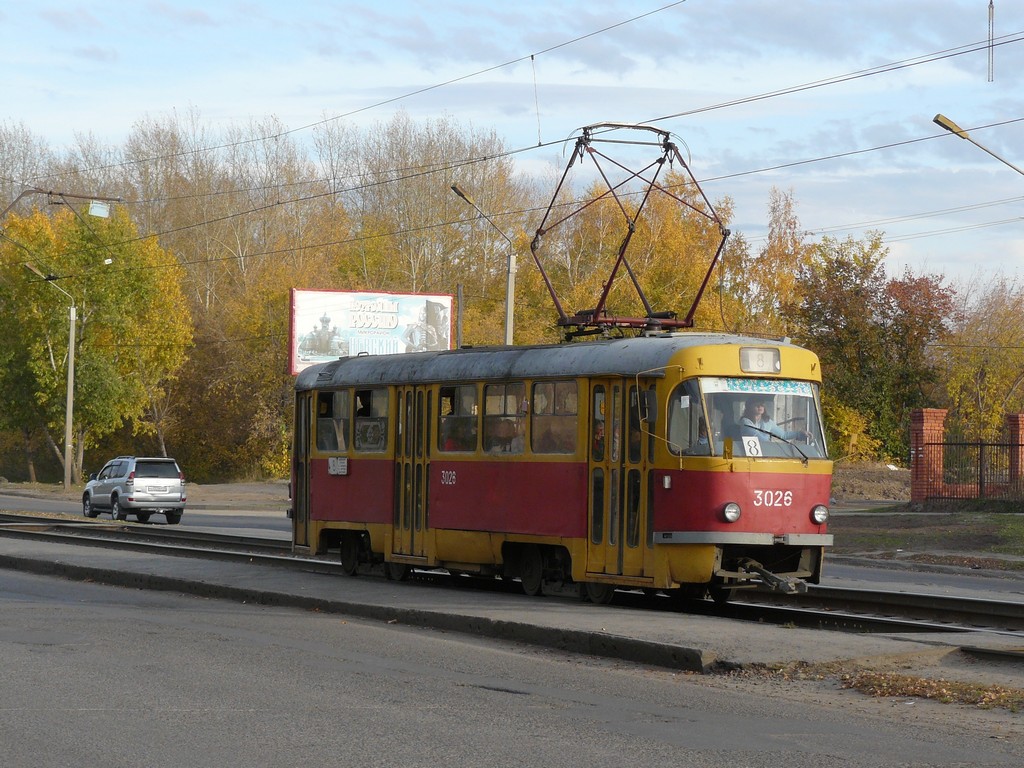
pixel 762 418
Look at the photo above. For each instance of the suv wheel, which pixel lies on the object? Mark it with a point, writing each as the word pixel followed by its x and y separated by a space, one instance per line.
pixel 87 509
pixel 116 513
pixel 173 517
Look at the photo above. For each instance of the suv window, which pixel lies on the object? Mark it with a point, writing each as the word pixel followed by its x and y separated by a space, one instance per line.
pixel 156 469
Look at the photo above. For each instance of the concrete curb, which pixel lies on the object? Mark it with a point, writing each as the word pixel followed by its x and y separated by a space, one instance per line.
pixel 600 644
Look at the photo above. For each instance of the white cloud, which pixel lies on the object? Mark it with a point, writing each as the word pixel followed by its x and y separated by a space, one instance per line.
pixel 101 69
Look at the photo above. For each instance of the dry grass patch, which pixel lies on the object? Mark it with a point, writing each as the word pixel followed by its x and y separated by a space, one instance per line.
pixel 888 684
pixel 891 684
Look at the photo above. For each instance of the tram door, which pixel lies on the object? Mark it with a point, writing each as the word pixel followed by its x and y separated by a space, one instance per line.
pixel 300 471
pixel 618 452
pixel 411 462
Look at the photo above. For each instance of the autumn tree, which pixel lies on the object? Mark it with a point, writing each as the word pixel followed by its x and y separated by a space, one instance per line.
pixel 983 359
pixel 766 283
pixel 873 336
pixel 669 252
pixel 132 327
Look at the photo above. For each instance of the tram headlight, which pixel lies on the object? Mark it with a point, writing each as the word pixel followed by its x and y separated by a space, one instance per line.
pixel 819 514
pixel 731 512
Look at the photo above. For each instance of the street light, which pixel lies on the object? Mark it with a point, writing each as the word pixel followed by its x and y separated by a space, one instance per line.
pixel 98 206
pixel 70 403
pixel 944 122
pixel 510 283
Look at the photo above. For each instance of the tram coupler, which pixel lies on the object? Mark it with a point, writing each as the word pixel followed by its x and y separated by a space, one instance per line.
pixel 774 582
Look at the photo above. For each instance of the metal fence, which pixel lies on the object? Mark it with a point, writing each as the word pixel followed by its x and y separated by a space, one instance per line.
pixel 976 470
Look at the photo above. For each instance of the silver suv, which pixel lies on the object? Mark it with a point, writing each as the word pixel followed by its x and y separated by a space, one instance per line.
pixel 139 486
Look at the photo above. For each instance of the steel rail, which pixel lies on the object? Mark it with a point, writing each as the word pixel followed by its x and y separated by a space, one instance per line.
pixel 843 609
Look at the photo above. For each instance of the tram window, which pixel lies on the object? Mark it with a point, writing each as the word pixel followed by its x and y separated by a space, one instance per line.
pixel 633 508
pixel 505 409
pixel 457 417
pixel 597 436
pixel 332 421
pixel 553 417
pixel 766 419
pixel 615 445
pixel 614 507
pixel 687 426
pixel 634 444
pixel 371 422
pixel 597 506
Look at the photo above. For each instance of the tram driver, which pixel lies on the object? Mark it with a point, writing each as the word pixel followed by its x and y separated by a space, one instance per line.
pixel 756 422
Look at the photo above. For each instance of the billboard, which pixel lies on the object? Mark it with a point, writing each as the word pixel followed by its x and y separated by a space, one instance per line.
pixel 326 325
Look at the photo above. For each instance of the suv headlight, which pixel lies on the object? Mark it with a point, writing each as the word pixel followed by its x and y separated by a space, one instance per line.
pixel 731 512
pixel 819 514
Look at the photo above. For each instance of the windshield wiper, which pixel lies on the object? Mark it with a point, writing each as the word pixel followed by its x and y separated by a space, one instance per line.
pixel 783 438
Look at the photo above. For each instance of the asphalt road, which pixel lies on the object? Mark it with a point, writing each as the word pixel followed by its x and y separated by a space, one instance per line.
pixel 107 676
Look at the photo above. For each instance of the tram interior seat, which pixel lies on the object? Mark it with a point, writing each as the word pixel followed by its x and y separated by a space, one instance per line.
pixel 730 428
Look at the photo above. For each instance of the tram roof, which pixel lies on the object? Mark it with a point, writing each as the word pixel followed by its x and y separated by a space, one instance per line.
pixel 615 357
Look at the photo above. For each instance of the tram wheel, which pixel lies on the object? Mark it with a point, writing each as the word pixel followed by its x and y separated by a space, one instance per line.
pixel 531 570
pixel 350 554
pixel 721 595
pixel 396 571
pixel 598 593
pixel 683 597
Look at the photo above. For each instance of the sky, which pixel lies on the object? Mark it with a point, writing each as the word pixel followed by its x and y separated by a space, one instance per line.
pixel 829 100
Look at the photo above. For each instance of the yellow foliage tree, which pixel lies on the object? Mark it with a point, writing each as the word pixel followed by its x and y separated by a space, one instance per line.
pixel 984 359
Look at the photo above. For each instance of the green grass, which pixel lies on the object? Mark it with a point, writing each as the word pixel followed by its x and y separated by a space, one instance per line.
pixel 949 533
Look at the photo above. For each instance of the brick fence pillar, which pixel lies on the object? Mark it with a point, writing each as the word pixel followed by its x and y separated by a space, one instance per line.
pixel 1015 437
pixel 927 429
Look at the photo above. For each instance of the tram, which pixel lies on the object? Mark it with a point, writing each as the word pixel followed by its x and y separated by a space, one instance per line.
pixel 629 463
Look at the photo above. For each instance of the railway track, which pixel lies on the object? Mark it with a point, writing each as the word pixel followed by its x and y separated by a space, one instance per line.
pixel 854 610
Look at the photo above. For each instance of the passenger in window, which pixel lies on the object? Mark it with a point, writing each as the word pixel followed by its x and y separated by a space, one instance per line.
pixel 757 423
pixel 701 446
pixel 554 437
pixel 496 435
pixel 459 435
pixel 518 442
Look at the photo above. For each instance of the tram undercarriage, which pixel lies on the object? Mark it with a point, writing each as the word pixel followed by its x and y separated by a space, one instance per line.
pixel 548 568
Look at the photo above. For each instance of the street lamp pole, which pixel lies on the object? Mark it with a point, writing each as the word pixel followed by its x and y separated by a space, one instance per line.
pixel 69 408
pixel 510 282
pixel 97 207
pixel 944 122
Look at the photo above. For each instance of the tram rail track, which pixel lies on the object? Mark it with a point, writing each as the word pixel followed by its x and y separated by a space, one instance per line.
pixel 844 609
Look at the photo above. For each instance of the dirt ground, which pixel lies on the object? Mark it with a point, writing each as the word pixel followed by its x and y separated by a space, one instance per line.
pixel 870 482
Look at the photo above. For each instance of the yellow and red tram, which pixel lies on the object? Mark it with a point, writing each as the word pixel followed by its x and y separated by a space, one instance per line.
pixel 624 463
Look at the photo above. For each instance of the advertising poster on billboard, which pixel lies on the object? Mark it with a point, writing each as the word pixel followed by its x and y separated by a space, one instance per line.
pixel 326 325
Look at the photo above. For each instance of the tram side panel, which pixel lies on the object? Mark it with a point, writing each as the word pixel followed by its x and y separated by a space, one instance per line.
pixel 476 505
pixel 351 493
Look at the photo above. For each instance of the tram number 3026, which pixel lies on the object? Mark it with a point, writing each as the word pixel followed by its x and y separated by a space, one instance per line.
pixel 773 498
pixel 447 477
